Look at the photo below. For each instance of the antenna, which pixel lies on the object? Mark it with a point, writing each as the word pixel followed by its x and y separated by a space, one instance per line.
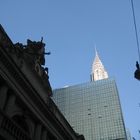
pixel 95 49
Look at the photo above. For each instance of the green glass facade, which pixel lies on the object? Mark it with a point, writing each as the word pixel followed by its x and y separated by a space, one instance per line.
pixel 93 109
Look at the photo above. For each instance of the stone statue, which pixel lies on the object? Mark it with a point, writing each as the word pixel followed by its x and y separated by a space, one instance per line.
pixel 34 53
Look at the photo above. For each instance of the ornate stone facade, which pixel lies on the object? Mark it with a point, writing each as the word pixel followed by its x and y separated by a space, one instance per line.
pixel 26 109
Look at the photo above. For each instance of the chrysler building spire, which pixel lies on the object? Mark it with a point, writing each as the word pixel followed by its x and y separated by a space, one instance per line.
pixel 98 71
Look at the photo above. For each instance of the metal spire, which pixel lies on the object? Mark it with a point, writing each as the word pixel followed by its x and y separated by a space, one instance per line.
pixel 98 70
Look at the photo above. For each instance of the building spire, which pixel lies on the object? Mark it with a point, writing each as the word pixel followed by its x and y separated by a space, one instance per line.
pixel 96 53
pixel 98 71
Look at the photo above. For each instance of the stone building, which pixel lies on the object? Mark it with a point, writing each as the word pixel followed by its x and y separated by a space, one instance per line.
pixel 26 110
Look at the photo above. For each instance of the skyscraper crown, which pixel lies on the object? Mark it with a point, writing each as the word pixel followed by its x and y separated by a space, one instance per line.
pixel 98 71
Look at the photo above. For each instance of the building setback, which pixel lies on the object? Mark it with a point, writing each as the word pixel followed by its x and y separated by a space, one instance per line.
pixel 93 108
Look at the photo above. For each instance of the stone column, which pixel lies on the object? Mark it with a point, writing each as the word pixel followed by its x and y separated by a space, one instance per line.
pixel 3 96
pixel 37 133
pixel 44 135
pixel 10 105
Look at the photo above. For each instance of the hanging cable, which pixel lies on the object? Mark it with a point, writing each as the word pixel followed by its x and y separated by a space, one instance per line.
pixel 137 72
pixel 135 29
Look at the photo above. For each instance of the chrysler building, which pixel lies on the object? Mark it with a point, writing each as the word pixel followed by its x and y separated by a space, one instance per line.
pixel 98 71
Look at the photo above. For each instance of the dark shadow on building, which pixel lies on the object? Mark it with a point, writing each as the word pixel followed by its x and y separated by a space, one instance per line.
pixel 26 110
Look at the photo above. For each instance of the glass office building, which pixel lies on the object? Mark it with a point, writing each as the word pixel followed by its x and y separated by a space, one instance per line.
pixel 93 109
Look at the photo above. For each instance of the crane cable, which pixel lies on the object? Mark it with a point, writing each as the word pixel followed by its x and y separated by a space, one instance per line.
pixel 135 29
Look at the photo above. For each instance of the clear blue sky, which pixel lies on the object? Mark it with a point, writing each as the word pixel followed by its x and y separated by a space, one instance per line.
pixel 71 28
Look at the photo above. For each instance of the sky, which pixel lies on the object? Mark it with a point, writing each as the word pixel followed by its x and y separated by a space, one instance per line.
pixel 71 29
